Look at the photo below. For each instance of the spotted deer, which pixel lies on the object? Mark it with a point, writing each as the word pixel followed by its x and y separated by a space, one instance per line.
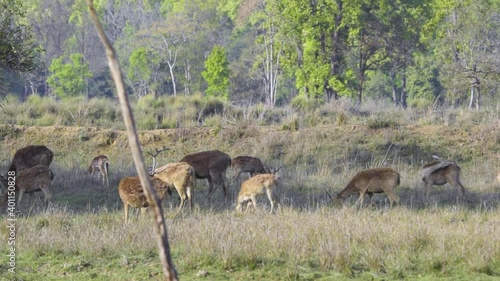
pixel 371 181
pixel 181 176
pixel 31 156
pixel 257 185
pixel 248 164
pixel 132 193
pixel 210 165
pixel 100 164
pixel 38 178
pixel 440 172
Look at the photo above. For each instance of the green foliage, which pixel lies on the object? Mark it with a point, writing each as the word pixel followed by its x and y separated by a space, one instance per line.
pixel 69 79
pixel 19 52
pixel 216 73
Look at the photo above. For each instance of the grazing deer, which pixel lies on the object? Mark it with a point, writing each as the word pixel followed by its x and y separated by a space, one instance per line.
pixel 378 180
pixel 100 164
pixel 30 180
pixel 132 193
pixel 257 185
pixel 248 164
pixel 31 156
pixel 441 172
pixel 210 165
pixel 182 176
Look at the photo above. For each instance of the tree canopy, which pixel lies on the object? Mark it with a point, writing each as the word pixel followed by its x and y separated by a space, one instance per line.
pixel 269 51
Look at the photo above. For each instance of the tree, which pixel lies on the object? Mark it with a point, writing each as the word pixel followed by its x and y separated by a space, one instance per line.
pixel 470 48
pixel 216 73
pixel 19 52
pixel 68 79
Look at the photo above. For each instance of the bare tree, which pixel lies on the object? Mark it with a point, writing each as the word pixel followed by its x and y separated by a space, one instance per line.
pixel 152 198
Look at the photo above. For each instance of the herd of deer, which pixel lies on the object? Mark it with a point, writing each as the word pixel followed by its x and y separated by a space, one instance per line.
pixel 31 167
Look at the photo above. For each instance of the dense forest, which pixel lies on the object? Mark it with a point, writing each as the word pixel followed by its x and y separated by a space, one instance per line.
pixel 407 52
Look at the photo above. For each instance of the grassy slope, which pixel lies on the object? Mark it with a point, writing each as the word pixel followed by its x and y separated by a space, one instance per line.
pixel 83 237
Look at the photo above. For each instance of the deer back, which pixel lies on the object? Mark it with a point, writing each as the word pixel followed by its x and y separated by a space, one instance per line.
pixel 205 161
pixel 31 156
pixel 34 178
pixel 374 180
pixel 180 173
pixel 132 193
pixel 249 164
pixel 258 184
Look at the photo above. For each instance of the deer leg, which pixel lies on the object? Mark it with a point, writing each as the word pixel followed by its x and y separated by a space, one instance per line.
pixel 125 209
pixel 361 199
pixel 393 198
pixel 190 194
pixel 183 198
pixel 210 186
pixel 48 195
pixel 370 195
pixel 21 192
pixel 254 202
pixel 218 179
pixel 427 187
pixel 270 196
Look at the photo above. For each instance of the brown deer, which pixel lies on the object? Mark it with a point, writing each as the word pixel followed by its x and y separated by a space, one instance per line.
pixel 132 193
pixel 378 180
pixel 257 185
pixel 210 165
pixel 100 164
pixel 182 176
pixel 34 179
pixel 441 172
pixel 31 156
pixel 248 164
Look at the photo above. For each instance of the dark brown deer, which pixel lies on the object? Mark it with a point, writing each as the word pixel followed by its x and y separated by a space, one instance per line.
pixel 378 180
pixel 100 164
pixel 38 178
pixel 441 172
pixel 210 165
pixel 248 164
pixel 31 156
pixel 132 193
pixel 182 176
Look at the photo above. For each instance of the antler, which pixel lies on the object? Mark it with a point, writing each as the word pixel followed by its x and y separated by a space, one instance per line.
pixel 154 154
pixel 275 171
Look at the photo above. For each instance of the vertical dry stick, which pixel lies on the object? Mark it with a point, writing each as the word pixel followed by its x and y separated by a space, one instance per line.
pixel 153 200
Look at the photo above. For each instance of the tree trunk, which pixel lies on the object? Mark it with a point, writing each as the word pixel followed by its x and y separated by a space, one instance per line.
pixel 171 68
pixel 395 97
pixel 404 95
pixel 153 200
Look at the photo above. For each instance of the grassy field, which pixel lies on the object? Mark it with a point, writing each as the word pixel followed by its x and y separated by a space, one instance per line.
pixel 82 235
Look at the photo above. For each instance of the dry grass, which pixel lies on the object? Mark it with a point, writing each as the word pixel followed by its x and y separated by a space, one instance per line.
pixel 83 236
pixel 395 243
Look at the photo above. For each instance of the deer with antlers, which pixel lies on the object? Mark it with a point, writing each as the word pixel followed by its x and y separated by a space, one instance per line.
pixel 258 185
pixel 179 175
pixel 440 172
pixel 38 178
pixel 31 156
pixel 248 164
pixel 210 165
pixel 100 164
pixel 371 181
